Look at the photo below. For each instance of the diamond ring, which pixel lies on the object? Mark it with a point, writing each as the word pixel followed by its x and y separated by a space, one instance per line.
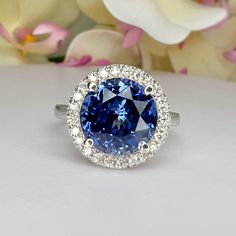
pixel 118 116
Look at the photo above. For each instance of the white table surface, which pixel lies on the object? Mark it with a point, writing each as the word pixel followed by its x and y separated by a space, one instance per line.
pixel 47 188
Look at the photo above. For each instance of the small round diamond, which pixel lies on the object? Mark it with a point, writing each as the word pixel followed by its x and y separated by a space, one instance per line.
pixel 118 116
pixel 75 131
pixel 115 71
pixel 87 151
pixel 73 107
pixel 103 73
pixel 79 140
pixel 92 78
pixel 78 96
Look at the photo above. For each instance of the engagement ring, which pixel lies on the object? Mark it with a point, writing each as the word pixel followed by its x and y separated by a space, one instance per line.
pixel 118 116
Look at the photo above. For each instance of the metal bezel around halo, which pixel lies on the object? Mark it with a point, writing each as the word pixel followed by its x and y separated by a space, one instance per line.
pixel 146 150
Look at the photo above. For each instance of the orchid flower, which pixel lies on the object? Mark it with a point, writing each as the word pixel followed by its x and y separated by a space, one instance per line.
pixel 164 21
pixel 100 47
pixel 211 52
pixel 132 34
pixel 85 60
pixel 96 10
pixel 24 38
pixel 152 25
pixel 28 14
pixel 45 39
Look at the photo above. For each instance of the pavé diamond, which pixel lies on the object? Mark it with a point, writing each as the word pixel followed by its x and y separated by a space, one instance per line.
pixel 118 116
pixel 75 131
pixel 78 96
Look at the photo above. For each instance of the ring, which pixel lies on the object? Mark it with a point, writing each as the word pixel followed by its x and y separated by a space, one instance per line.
pixel 118 116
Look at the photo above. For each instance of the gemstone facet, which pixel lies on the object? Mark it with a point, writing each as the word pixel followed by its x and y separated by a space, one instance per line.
pixel 118 116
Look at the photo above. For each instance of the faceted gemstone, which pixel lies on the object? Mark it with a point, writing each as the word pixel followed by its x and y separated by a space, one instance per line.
pixel 118 116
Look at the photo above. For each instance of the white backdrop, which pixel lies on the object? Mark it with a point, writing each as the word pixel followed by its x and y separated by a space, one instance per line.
pixel 47 188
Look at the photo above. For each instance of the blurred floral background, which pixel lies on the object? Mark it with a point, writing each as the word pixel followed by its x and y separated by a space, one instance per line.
pixel 182 36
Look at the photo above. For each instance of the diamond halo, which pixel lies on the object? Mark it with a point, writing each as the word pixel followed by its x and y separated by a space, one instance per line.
pixel 146 150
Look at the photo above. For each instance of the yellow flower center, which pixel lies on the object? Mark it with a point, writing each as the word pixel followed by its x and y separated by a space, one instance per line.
pixel 29 38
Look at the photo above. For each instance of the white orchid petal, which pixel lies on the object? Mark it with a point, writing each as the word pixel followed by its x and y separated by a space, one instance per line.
pixel 25 13
pixel 223 37
pixel 6 35
pixel 65 13
pixel 145 56
pixel 10 56
pixel 147 16
pixel 200 58
pixel 161 63
pixel 102 44
pixel 9 13
pixel 153 46
pixel 191 15
pixel 96 10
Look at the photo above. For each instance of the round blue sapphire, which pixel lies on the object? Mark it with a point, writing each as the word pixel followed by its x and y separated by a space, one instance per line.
pixel 118 116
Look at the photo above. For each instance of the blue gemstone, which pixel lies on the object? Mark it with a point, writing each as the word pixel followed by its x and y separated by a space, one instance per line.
pixel 118 116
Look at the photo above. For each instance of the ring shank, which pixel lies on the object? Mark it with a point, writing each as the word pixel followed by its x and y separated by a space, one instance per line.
pixel 61 111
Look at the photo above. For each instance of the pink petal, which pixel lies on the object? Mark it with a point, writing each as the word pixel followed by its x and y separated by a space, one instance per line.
pixel 132 34
pixel 74 62
pixel 101 62
pixel 181 45
pixel 230 56
pixel 50 28
pixel 125 27
pixel 184 71
pixel 20 34
pixel 208 2
pixel 85 60
pixel 8 36
pixel 56 35
pixel 132 37
pixel 102 44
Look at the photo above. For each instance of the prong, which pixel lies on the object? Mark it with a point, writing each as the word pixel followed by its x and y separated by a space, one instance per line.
pixel 144 147
pixel 92 86
pixel 85 80
pixel 88 142
pixel 148 90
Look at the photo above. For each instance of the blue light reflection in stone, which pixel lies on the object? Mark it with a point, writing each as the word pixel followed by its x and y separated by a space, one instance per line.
pixel 118 116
